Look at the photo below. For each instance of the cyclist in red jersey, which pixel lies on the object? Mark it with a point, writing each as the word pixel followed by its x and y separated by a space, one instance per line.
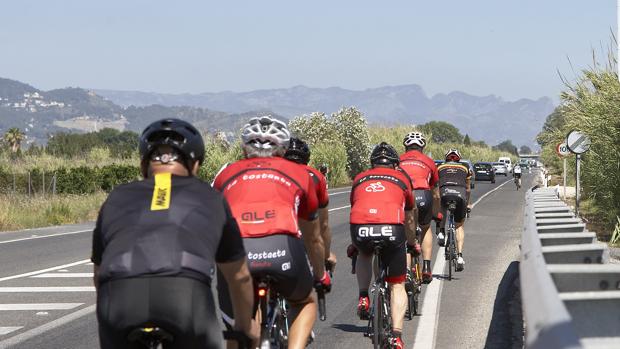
pixel 424 174
pixel 274 202
pixel 383 208
pixel 298 151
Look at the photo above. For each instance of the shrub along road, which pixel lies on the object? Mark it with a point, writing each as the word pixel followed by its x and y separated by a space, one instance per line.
pixel 47 299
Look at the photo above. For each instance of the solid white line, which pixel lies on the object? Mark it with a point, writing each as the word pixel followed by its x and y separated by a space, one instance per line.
pixel 32 289
pixel 46 327
pixel 64 275
pixel 40 306
pixel 488 193
pixel 44 270
pixel 338 208
pixel 46 236
pixel 8 329
pixel 339 192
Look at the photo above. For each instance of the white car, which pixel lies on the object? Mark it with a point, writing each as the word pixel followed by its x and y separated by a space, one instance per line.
pixel 506 161
pixel 500 168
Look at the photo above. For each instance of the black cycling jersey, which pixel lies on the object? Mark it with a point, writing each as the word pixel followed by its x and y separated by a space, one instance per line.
pixel 164 226
pixel 453 174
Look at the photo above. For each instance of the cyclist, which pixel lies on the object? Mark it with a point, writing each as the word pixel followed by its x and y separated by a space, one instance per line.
pixel 424 175
pixel 454 184
pixel 157 241
pixel 383 208
pixel 298 151
pixel 516 173
pixel 275 203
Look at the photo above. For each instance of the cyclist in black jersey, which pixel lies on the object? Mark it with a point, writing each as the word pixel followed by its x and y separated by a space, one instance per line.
pixel 156 245
pixel 454 184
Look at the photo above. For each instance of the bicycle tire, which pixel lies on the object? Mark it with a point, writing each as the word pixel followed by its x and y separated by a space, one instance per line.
pixel 377 319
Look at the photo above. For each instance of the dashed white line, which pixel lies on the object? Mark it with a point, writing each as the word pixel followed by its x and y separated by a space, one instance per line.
pixel 40 306
pixel 338 208
pixel 36 289
pixel 339 192
pixel 64 275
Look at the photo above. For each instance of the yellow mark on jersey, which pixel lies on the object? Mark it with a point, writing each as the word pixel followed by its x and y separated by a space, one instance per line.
pixel 161 192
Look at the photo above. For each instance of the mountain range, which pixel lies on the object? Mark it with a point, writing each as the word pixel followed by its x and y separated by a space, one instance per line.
pixel 488 118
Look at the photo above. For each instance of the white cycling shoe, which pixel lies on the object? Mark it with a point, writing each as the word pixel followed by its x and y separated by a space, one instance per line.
pixel 460 263
pixel 441 239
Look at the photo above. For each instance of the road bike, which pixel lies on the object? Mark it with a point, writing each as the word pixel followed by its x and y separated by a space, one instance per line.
pixel 154 337
pixel 413 283
pixel 274 316
pixel 380 322
pixel 450 246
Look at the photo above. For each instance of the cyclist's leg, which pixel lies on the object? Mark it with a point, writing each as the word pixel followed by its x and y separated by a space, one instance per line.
pixel 394 257
pixel 424 202
pixel 363 267
pixel 459 218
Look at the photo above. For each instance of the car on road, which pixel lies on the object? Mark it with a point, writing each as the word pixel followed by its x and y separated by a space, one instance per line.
pixel 484 171
pixel 506 161
pixel 500 168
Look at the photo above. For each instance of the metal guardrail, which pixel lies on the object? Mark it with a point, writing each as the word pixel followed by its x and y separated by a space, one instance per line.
pixel 569 294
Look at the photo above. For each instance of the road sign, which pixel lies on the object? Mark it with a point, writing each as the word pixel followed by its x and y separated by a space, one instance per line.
pixel 562 149
pixel 577 142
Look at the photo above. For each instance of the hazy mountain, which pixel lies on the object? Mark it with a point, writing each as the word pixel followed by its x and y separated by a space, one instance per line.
pixel 489 118
pixel 40 113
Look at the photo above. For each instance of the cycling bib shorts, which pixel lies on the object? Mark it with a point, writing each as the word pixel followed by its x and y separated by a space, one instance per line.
pixel 459 196
pixel 393 254
pixel 424 202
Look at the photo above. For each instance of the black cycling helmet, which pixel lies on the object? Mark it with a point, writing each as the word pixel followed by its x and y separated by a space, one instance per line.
pixel 384 154
pixel 298 151
pixel 323 168
pixel 178 134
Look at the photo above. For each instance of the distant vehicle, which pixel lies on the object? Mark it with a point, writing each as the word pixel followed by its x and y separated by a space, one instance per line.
pixel 500 168
pixel 484 171
pixel 506 160
pixel 471 169
pixel 439 162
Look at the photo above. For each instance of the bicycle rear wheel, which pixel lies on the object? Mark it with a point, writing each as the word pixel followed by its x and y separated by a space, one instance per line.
pixel 378 320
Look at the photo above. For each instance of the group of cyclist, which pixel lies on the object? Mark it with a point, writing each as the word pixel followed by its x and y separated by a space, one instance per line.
pixel 159 243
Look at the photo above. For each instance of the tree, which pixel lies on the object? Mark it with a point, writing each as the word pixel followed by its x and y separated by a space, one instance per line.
pixel 507 146
pixel 14 137
pixel 353 130
pixel 525 150
pixel 442 132
pixel 467 140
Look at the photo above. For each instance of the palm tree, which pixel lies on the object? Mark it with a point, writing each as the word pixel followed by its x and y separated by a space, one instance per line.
pixel 13 137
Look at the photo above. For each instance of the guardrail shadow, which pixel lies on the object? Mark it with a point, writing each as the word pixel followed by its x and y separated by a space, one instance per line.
pixel 506 328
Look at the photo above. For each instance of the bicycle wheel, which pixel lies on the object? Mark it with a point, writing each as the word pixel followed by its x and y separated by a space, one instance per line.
pixel 377 319
pixel 410 287
pixel 418 286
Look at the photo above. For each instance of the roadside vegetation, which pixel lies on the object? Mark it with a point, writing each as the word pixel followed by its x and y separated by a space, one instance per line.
pixel 591 105
pixel 67 181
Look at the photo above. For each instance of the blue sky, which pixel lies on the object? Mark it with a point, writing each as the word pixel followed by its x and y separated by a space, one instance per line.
pixel 513 49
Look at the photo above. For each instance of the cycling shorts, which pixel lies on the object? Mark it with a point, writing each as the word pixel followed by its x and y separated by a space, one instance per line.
pixel 283 258
pixel 457 194
pixel 184 307
pixel 518 175
pixel 393 254
pixel 424 202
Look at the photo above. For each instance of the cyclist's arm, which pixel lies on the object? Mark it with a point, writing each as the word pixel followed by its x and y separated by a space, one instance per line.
pixel 326 234
pixel 240 287
pixel 468 191
pixel 310 232
pixel 410 225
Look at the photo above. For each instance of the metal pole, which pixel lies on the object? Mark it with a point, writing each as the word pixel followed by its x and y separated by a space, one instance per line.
pixel 564 175
pixel 577 173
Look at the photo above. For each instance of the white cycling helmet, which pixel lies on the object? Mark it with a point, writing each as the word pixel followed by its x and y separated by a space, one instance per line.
pixel 414 138
pixel 452 155
pixel 265 133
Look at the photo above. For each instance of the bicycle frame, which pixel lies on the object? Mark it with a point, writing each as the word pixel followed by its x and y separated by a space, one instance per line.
pixel 274 317
pixel 450 248
pixel 379 323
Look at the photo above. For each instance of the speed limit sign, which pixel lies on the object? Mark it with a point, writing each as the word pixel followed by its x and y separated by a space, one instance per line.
pixel 562 149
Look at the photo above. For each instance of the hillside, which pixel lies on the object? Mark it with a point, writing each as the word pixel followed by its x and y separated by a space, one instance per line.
pixel 481 117
pixel 41 113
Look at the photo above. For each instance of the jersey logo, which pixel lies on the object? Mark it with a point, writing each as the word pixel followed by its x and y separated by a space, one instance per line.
pixel 365 232
pixel 161 192
pixel 375 187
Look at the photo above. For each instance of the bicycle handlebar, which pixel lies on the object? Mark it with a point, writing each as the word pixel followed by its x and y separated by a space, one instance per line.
pixel 320 292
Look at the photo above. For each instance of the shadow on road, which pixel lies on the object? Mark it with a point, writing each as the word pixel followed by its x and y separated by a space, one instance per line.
pixel 349 328
pixel 506 329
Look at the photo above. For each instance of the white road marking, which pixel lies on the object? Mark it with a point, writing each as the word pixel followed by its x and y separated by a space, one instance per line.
pixel 339 192
pixel 64 275
pixel 40 306
pixel 8 329
pixel 338 208
pixel 426 332
pixel 12 341
pixel 44 270
pixel 32 289
pixel 46 236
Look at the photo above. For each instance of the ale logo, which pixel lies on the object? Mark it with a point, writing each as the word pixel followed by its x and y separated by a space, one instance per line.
pixel 375 187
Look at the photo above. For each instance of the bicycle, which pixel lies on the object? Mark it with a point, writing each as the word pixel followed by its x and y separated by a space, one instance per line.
pixel 450 247
pixel 518 182
pixel 153 337
pixel 380 322
pixel 274 316
pixel 413 283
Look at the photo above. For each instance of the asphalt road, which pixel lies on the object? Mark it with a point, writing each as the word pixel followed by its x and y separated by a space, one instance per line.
pixel 47 299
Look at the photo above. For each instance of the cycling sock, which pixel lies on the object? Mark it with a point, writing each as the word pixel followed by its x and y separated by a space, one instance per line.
pixel 427 264
pixel 459 254
pixel 364 293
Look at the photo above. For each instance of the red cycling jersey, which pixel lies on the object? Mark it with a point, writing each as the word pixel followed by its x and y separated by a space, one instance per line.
pixel 268 195
pixel 380 196
pixel 320 183
pixel 420 168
